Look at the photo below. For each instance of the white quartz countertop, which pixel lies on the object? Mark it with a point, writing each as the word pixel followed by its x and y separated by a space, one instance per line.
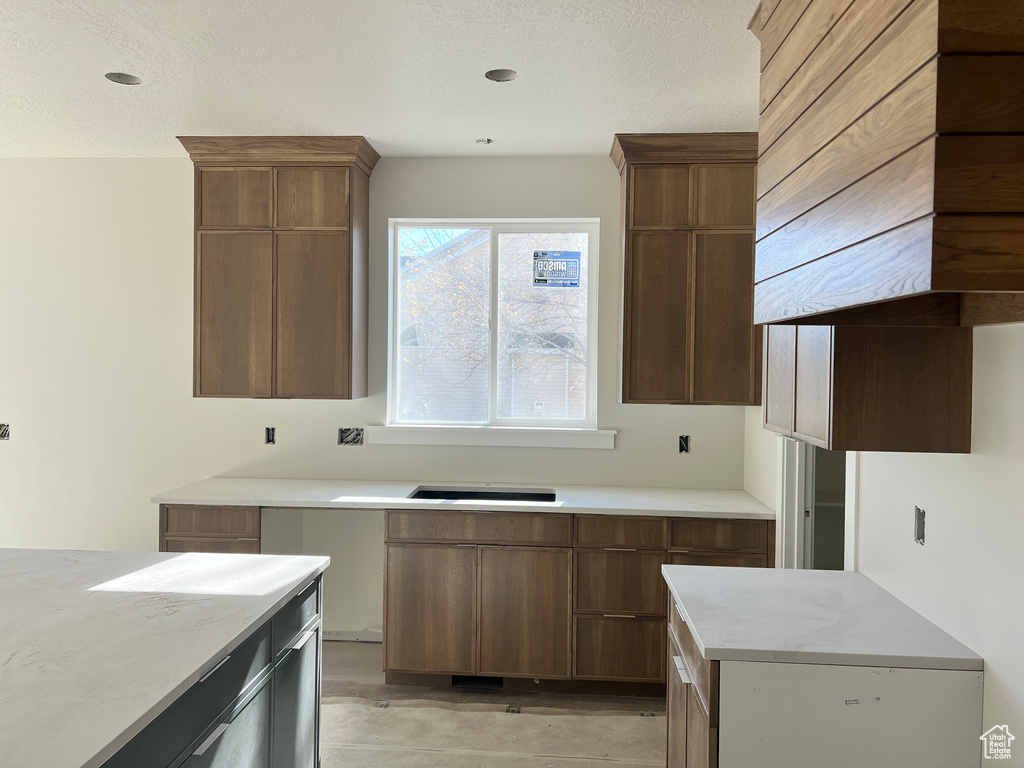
pixel 95 645
pixel 811 617
pixel 383 494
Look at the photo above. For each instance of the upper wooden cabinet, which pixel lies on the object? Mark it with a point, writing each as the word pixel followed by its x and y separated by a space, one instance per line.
pixel 688 206
pixel 890 177
pixel 870 389
pixel 281 265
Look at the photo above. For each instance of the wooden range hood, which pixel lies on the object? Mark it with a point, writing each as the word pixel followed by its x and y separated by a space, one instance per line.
pixel 891 162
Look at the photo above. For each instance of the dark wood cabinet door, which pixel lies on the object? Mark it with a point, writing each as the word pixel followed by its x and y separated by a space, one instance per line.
pixel 297 705
pixel 632 532
pixel 813 414
pixel 525 612
pixel 780 378
pixel 708 535
pixel 234 198
pixel 627 649
pixel 725 196
pixel 723 310
pixel 312 198
pixel 657 318
pixel 430 608
pixel 619 582
pixel 660 197
pixel 235 276
pixel 314 315
pixel 701 738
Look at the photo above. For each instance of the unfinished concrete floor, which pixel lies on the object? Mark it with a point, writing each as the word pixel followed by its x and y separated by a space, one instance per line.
pixel 371 725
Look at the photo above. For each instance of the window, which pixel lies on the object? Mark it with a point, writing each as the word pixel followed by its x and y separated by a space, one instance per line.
pixel 493 323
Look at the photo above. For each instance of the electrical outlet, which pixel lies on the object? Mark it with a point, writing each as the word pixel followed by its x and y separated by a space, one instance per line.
pixel 919 525
pixel 270 435
pixel 350 436
pixel 684 443
pixel 5 431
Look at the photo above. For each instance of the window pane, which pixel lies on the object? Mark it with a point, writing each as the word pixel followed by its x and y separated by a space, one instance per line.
pixel 443 313
pixel 542 327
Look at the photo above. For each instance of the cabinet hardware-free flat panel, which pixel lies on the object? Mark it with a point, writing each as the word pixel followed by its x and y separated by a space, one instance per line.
pixel 480 527
pixel 611 531
pixel 312 198
pixel 621 648
pixel 234 198
pixel 704 535
pixel 619 582
pixel 661 197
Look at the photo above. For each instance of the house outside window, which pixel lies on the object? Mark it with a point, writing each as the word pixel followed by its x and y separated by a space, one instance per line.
pixel 493 323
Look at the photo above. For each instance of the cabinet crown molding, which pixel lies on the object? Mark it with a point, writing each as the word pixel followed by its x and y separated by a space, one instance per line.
pixel 683 148
pixel 281 150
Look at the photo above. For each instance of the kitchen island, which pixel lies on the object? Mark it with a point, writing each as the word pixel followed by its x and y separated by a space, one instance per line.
pixel 151 659
pixel 800 668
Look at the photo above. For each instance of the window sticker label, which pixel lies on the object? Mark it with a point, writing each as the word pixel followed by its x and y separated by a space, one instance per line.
pixel 556 269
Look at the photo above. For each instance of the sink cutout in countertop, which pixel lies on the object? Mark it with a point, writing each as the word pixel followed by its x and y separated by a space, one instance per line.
pixel 483 494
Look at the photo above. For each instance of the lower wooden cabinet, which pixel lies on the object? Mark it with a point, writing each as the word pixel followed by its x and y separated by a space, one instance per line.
pixel 610 581
pixel 623 648
pixel 202 528
pixel 677 696
pixel 430 608
pixel 701 738
pixel 525 612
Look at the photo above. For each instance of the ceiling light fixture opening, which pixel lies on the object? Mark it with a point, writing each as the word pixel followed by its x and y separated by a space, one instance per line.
pixel 500 75
pixel 123 78
pixel 485 141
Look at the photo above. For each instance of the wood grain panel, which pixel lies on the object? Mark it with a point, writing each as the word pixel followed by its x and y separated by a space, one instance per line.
pixel 618 582
pixel 359 227
pixel 234 198
pixel 724 195
pixel 312 198
pixel 524 628
pixel 926 309
pixel 814 377
pixel 703 674
pixel 978 253
pixel 657 315
pixel 780 378
pixel 235 286
pixel 979 174
pixel 989 26
pixel 895 194
pixel 902 389
pixel 482 527
pixel 723 330
pixel 430 608
pixel 905 118
pixel 675 708
pixel 191 520
pixel 778 27
pixel 215 545
pixel 631 532
pixel 617 648
pixel 851 36
pixel 701 738
pixel 888 266
pixel 897 53
pixel 991 308
pixel 313 341
pixel 981 93
pixel 699 534
pixel 281 150
pixel 817 20
pixel 683 148
pixel 660 197
pixel 723 559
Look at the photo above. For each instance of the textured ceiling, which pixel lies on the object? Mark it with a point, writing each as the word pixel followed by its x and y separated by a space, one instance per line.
pixel 407 74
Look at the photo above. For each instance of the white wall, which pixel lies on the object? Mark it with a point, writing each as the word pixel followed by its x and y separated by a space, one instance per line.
pixel 96 355
pixel 969 575
pixel 760 458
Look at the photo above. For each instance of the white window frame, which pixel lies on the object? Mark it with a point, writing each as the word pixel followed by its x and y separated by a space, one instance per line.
pixel 591 226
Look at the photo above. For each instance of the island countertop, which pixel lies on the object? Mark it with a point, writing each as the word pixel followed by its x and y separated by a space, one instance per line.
pixel 805 616
pixel 95 645
pixel 391 494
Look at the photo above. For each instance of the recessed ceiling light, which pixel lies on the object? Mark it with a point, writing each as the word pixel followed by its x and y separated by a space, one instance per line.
pixel 485 141
pixel 500 75
pixel 122 78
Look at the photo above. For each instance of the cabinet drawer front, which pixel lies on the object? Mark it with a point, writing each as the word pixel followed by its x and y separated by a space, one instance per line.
pixel 676 694
pixel 297 707
pixel 312 198
pixel 626 532
pixel 221 546
pixel 242 741
pixel 619 648
pixel 210 522
pixel 719 535
pixel 480 527
pixel 195 710
pixel 701 737
pixel 231 198
pixel 703 674
pixel 295 617
pixel 718 558
pixel 619 582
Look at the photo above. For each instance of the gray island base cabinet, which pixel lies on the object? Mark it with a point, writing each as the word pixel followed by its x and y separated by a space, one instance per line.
pixel 803 669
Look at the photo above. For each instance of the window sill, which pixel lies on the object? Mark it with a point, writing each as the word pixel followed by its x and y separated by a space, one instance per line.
pixel 500 437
